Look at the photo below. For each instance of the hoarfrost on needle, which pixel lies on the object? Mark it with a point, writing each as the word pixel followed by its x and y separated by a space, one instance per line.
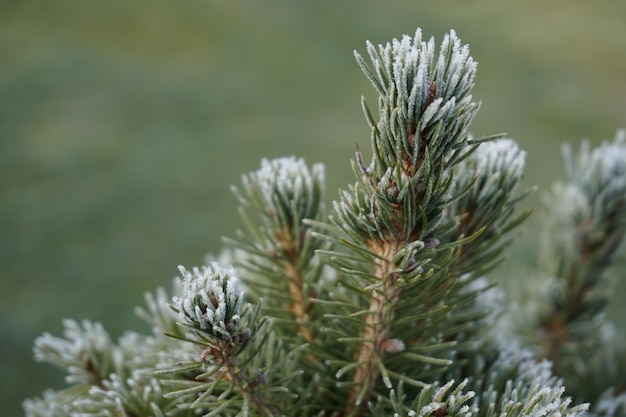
pixel 211 300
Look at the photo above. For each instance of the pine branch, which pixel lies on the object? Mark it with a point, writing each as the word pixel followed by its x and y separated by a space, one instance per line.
pixel 392 219
pixel 280 247
pixel 229 337
pixel 382 308
pixel 377 330
pixel 595 197
pixel 563 306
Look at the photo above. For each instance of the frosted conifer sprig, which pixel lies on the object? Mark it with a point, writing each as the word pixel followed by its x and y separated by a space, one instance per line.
pixel 130 397
pixel 487 181
pixel 392 222
pixel 501 158
pixel 425 108
pixel 509 381
pixel 211 302
pixel 600 171
pixel 585 227
pixel 229 336
pixel 404 311
pixel 283 192
pixel 287 189
pixel 425 103
pixel 86 352
pixel 434 400
pixel 593 198
pixel 279 247
pixel 589 215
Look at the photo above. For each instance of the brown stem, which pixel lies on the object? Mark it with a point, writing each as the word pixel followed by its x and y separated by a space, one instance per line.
pixel 377 332
pixel 298 302
pixel 295 281
pixel 556 326
pixel 246 387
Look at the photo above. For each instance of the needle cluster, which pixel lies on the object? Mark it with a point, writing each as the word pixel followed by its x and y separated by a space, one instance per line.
pixel 383 307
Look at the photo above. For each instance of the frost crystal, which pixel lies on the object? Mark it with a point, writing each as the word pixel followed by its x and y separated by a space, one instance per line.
pixel 593 195
pixel 211 300
pixel 424 104
pixel 285 184
pixel 444 402
pixel 502 156
pixel 597 181
pixel 84 345
pixel 492 173
pixel 601 170
pixel 406 71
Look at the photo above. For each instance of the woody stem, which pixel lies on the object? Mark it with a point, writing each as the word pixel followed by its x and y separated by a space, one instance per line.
pixel 376 332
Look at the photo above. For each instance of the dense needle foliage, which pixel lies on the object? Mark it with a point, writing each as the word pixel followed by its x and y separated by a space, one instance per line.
pixel 382 307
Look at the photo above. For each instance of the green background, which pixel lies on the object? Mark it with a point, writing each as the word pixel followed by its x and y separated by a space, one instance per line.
pixel 123 124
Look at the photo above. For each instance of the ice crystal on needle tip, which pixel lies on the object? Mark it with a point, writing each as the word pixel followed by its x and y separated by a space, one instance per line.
pixel 502 155
pixel 600 167
pixel 408 70
pixel 494 170
pixel 86 351
pixel 281 182
pixel 422 95
pixel 211 300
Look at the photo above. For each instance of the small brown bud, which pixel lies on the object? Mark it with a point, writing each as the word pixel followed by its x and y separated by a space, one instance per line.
pixel 392 345
pixel 258 380
pixel 242 338
pixel 440 412
pixel 210 352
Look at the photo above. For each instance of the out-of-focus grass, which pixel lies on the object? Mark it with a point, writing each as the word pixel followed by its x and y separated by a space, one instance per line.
pixel 122 125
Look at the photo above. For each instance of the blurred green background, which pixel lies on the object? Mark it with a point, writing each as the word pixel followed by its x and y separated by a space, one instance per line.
pixel 123 123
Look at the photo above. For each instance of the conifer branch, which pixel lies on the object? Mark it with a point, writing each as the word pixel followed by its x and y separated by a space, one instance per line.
pixel 399 201
pixel 589 223
pixel 276 200
pixel 377 330
pixel 382 309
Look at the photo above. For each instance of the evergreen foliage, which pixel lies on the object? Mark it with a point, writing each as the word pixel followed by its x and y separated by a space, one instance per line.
pixel 381 308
